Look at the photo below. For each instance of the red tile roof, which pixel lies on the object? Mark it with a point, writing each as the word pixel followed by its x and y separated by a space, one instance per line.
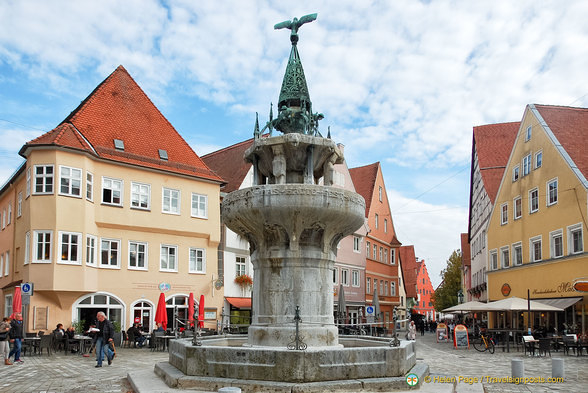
pixel 493 143
pixel 409 268
pixel 570 127
pixel 465 250
pixel 119 109
pixel 364 180
pixel 229 164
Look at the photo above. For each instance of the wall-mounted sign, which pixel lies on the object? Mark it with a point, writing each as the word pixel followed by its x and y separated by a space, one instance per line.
pixel 164 287
pixel 581 285
pixel 564 287
pixel 505 290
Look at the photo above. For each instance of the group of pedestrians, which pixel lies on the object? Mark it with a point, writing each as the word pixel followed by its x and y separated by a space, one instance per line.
pixel 11 331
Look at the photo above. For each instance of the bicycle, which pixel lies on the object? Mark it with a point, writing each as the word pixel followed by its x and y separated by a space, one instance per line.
pixel 484 343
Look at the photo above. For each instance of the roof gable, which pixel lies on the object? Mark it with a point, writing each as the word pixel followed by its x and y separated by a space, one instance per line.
pixel 409 267
pixel 465 250
pixel 230 164
pixel 364 180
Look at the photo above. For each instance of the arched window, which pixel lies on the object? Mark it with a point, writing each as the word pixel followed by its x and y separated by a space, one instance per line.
pixel 177 311
pixel 86 308
pixel 142 313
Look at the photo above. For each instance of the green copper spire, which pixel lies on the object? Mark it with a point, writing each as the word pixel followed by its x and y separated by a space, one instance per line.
pixel 294 90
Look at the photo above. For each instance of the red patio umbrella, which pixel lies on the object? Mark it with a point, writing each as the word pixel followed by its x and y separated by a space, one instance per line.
pixel 16 302
pixel 161 312
pixel 201 312
pixel 191 310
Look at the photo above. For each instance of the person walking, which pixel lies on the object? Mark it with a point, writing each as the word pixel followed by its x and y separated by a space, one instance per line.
pixel 4 340
pixel 16 336
pixel 103 339
pixel 412 331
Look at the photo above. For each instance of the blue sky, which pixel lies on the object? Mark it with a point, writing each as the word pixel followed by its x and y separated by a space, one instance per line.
pixel 400 82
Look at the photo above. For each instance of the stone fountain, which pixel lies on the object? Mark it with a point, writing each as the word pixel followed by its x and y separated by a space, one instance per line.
pixel 294 220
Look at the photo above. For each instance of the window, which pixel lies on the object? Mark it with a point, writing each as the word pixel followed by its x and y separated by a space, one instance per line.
pixel 91 248
pixel 43 179
pixel 385 288
pixel 381 254
pixel 504 215
pixel 19 205
pixel 575 239
pixel 3 218
pixel 367 249
pixel 534 200
pixel 140 196
pixel 552 192
pixel 518 207
pixel 27 251
pixel 168 258
pixel 138 255
pixel 376 218
pixel 112 191
pixel 385 225
pixel 380 193
pixel 504 257
pixel 385 260
pixel 375 252
pixel 392 289
pixel 7 305
pixel 335 276
pixel 392 256
pixel 355 278
pixel 69 247
pixel 28 182
pixel 526 164
pixel 89 186
pixel 42 244
pixel 535 248
pixel 109 253
pixel 368 283
pixel 556 243
pixel 9 220
pixel 528 134
pixel 199 206
pixel 240 266
pixel 1 264
pixel 538 159
pixel 517 254
pixel 171 201
pixel 356 241
pixel 515 173
pixel 7 264
pixel 345 277
pixel 381 286
pixel 70 181
pixel 197 260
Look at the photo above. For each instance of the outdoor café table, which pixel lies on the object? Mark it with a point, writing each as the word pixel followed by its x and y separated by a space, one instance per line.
pixel 165 340
pixel 504 335
pixel 34 342
pixel 85 342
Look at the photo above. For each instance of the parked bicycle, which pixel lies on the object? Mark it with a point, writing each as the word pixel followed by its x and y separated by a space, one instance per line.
pixel 484 343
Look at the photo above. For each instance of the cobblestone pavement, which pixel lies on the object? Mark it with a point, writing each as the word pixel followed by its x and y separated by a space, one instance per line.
pixel 443 360
pixel 73 373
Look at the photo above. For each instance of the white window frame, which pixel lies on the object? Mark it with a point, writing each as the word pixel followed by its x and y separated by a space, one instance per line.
pixel 1 264
pixel 368 284
pixel 193 262
pixel 36 246
pixel 166 248
pixel 145 252
pixel 505 261
pixel 553 235
pixel 19 205
pixel 381 255
pixel 527 164
pixel 382 287
pixel 533 200
pixel 355 278
pixel 571 230
pixel 516 174
pixel 137 196
pixel 392 288
pixel 377 219
pixel 532 242
pixel 27 251
pixel 385 258
pixel 518 200
pixel 517 247
pixel 504 213
pixel 375 252
pixel 380 191
pixel 89 186
pixel 61 244
pixel 171 197
pixel 345 277
pixel 528 133
pixel 368 249
pixel 240 265
pixel 356 244
pixel 385 225
pixel 494 259
pixel 43 176
pixel 538 160
pixel 198 212
pixel 385 288
pixel 7 264
pixel 8 305
pixel 9 213
pixel 28 183
pixel 548 195
pixel 71 180
pixel 110 252
pixel 113 191
pixel 392 256
pixel 336 275
pixel 91 250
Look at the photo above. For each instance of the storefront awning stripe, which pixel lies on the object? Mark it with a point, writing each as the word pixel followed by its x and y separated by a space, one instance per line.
pixel 240 302
pixel 563 302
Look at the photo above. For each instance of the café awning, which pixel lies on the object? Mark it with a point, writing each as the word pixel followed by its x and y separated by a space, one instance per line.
pixel 561 302
pixel 240 302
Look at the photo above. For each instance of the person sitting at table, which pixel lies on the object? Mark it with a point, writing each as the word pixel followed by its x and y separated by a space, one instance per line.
pixel 70 332
pixel 160 328
pixel 135 335
pixel 59 335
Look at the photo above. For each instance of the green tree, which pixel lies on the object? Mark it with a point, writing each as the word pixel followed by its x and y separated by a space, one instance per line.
pixel 446 295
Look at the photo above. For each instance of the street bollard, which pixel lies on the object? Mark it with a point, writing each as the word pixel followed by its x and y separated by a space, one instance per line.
pixel 230 389
pixel 557 368
pixel 517 368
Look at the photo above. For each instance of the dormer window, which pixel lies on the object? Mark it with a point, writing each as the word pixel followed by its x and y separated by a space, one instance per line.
pixel 163 154
pixel 119 144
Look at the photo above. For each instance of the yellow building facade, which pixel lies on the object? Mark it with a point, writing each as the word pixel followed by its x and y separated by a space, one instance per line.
pixel 537 228
pixel 110 209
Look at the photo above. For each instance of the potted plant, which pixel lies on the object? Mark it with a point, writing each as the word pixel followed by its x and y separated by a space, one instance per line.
pixel 117 333
pixel 79 326
pixel 244 281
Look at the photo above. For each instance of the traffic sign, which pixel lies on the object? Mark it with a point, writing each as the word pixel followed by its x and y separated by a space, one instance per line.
pixel 369 310
pixel 26 288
